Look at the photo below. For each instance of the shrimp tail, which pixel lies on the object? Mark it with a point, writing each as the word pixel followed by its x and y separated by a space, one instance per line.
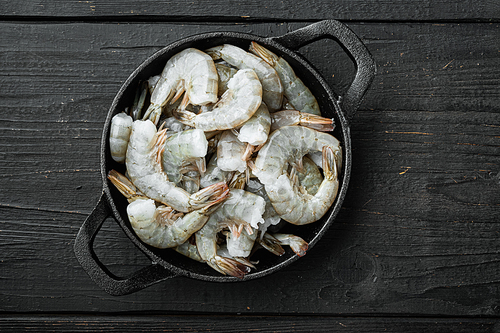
pixel 123 184
pixel 316 122
pixel 262 52
pixel 185 117
pixel 271 244
pixel 298 245
pixel 329 165
pixel 230 266
pixel 209 195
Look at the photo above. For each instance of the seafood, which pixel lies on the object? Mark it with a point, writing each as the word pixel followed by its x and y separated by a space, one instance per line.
pixel 256 130
pixel 242 245
pixel 161 226
pixel 309 178
pixel 214 174
pixel 225 74
pixel 288 145
pixel 140 97
pixel 272 89
pixel 119 135
pixel 296 92
pixel 235 106
pixel 191 72
pixel 294 117
pixel 273 242
pixel 181 151
pixel 189 250
pixel 270 216
pixel 241 210
pixel 231 153
pixel 143 161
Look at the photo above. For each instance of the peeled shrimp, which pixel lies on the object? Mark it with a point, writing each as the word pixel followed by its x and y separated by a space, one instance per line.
pixel 119 135
pixel 160 226
pixel 296 92
pixel 294 117
pixel 241 210
pixel 235 106
pixel 288 145
pixel 190 71
pixel 272 89
pixel 143 163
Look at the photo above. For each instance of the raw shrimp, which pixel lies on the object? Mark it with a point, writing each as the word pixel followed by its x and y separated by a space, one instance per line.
pixel 161 226
pixel 242 245
pixel 270 216
pixel 225 74
pixel 231 153
pixel 288 145
pixel 181 151
pixel 309 178
pixel 294 117
pixel 296 92
pixel 272 89
pixel 191 71
pixel 256 130
pixel 273 242
pixel 214 174
pixel 235 106
pixel 143 163
pixel 140 97
pixel 189 250
pixel 119 135
pixel 241 210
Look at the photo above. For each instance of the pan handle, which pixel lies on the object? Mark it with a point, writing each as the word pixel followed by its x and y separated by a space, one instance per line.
pixel 354 47
pixel 112 284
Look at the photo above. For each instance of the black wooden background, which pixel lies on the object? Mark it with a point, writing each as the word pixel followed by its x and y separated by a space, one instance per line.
pixel 416 246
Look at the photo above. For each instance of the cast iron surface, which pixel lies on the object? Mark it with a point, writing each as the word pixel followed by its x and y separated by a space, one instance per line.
pixel 167 263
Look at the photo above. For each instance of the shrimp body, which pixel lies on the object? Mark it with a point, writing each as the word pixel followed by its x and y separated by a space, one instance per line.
pixel 119 135
pixel 225 74
pixel 240 211
pixel 214 174
pixel 159 226
pixel 235 106
pixel 272 89
pixel 180 150
pixel 154 226
pixel 144 168
pixel 256 130
pixel 295 91
pixel 288 145
pixel 242 245
pixel 191 71
pixel 230 152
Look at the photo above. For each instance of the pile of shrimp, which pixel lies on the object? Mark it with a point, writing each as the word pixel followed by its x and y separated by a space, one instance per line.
pixel 220 150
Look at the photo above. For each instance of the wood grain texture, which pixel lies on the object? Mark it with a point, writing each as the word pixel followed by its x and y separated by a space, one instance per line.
pixel 241 323
pixel 220 11
pixel 418 233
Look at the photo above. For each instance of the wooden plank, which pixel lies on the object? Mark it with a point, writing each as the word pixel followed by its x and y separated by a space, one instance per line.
pixel 418 232
pixel 220 11
pixel 242 323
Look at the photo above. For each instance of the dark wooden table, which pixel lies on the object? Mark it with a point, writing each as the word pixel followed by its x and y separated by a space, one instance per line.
pixel 416 246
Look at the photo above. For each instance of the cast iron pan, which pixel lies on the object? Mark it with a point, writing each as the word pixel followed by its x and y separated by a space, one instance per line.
pixel 168 263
